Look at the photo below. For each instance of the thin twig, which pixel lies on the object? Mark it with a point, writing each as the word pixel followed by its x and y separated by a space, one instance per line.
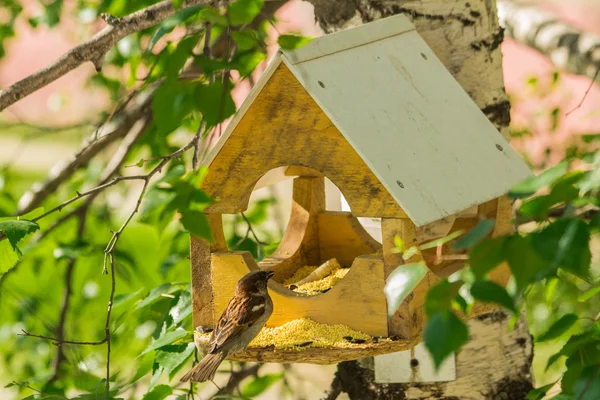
pixel 113 282
pixel 587 91
pixel 251 230
pixel 64 309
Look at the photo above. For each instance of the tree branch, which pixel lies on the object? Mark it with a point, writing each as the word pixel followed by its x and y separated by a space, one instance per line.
pixel 114 130
pixel 568 48
pixel 336 389
pixel 238 376
pixel 94 49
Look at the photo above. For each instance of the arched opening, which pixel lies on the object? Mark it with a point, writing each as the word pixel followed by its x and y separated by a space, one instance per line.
pixel 294 225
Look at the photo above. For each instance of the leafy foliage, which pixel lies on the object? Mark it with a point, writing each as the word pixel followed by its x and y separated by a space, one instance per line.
pixel 150 324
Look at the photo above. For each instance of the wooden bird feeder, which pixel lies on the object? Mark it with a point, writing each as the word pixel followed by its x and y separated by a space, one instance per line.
pixel 374 110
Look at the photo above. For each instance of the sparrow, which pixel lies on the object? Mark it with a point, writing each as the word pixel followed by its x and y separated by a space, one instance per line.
pixel 243 318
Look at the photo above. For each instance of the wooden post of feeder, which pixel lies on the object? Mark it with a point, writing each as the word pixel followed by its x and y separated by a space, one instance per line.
pixel 200 257
pixel 408 321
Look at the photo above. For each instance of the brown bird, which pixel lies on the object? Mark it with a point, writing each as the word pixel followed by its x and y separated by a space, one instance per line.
pixel 244 317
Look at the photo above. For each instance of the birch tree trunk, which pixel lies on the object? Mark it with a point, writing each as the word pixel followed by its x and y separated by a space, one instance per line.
pixel 466 37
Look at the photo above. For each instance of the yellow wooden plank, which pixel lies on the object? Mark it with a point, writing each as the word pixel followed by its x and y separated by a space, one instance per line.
pixel 200 260
pixel 342 237
pixel 300 243
pixel 284 126
pixel 357 301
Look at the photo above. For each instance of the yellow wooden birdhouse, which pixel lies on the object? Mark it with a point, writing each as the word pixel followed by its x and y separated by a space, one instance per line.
pixel 374 110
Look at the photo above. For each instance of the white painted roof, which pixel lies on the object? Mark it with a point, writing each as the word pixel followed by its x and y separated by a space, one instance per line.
pixel 406 116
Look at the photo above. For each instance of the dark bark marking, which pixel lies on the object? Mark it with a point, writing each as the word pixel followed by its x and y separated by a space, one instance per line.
pixel 494 316
pixel 498 113
pixel 511 389
pixel 490 44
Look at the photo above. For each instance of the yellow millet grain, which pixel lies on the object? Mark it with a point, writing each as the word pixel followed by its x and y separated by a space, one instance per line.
pixel 317 287
pixel 304 330
pixel 301 273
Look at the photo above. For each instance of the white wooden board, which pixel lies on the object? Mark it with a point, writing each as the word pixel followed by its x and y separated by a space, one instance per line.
pixel 408 118
pixel 396 367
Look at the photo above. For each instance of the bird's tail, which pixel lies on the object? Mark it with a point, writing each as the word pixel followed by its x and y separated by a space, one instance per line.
pixel 205 369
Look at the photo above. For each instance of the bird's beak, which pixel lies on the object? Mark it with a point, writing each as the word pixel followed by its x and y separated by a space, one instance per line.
pixel 270 274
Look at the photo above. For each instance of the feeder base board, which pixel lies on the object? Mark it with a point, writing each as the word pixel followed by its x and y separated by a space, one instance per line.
pixel 320 355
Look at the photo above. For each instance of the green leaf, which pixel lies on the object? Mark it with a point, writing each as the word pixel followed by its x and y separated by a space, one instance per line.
pixel 177 3
pixel 558 328
pixel 215 104
pixel 155 198
pixel 291 42
pixel 160 392
pixel 196 223
pixel 17 229
pixel 440 297
pixel 170 23
pixel 539 393
pixel 534 183
pixel 8 257
pixel 246 63
pixel 590 137
pixel 154 295
pixel 460 303
pixel 145 366
pixel 491 292
pixel 591 180
pixel 587 387
pixel 487 255
pixel 483 228
pixel 167 338
pixel 183 308
pixel 565 244
pixel 172 102
pixel 403 280
pixel 579 345
pixel 588 294
pixel 212 15
pixel 445 334
pixel 179 56
pixel 243 12
pixel 525 263
pixel 172 357
pixel 260 384
pixel 246 39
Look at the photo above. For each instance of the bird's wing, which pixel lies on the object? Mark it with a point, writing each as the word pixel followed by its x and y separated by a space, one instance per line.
pixel 240 314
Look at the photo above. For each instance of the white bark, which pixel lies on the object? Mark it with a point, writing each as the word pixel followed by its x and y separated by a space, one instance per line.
pixel 466 36
pixel 569 49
